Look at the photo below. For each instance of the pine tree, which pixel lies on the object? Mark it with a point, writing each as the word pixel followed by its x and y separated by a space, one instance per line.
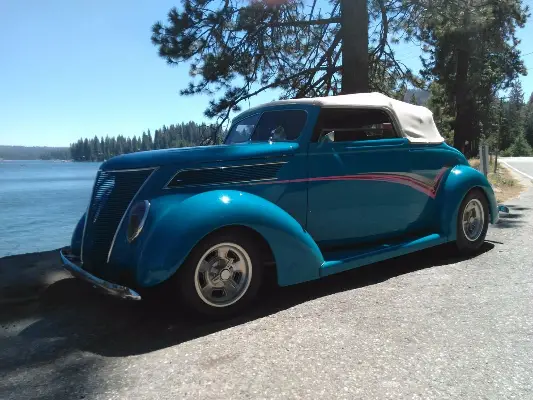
pixel 515 121
pixel 108 150
pixel 150 141
pixel 443 112
pixel 95 148
pixel 470 50
pixel 87 156
pixel 145 145
pixel 520 147
pixel 528 120
pixel 302 48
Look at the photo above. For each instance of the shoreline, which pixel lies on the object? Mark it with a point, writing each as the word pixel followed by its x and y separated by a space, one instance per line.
pixel 29 254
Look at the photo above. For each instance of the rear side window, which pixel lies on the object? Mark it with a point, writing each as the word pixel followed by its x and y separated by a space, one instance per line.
pixel 350 125
pixel 278 126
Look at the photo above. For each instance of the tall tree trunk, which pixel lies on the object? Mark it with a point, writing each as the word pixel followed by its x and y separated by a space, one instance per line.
pixel 354 30
pixel 462 117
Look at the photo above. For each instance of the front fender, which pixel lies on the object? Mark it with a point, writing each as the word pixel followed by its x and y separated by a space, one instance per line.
pixel 177 223
pixel 459 181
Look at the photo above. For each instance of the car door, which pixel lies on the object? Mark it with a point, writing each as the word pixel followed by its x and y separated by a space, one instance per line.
pixel 359 187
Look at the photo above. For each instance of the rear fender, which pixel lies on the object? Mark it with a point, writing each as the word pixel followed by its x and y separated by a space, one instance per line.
pixel 177 223
pixel 458 182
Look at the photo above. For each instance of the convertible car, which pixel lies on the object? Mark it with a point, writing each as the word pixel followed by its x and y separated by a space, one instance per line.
pixel 300 188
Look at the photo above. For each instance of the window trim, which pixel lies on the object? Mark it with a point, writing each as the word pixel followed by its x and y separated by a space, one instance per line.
pixel 318 129
pixel 261 113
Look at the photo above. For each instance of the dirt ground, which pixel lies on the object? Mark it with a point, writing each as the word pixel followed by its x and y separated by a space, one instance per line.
pixel 504 183
pixel 24 277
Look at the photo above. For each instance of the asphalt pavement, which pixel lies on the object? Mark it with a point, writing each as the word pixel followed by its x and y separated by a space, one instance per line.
pixel 425 326
pixel 522 165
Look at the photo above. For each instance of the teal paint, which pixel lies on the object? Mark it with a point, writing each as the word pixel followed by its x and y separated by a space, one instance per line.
pixel 322 196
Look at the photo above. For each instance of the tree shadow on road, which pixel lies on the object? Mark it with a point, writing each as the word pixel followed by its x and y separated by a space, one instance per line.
pixel 518 208
pixel 92 322
pixel 511 220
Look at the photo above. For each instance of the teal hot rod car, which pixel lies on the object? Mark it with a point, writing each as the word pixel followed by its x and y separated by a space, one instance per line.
pixel 306 188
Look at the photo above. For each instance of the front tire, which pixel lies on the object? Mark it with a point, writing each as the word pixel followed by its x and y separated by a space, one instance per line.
pixel 222 275
pixel 472 222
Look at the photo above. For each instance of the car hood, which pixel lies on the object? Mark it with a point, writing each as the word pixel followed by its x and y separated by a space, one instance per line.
pixel 190 156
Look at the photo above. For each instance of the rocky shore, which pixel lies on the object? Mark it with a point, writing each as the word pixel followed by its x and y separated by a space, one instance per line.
pixel 24 277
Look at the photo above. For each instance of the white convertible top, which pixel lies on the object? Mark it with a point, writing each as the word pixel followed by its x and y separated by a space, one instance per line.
pixel 416 122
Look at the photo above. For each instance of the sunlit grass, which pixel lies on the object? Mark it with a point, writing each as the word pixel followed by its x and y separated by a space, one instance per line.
pixel 504 184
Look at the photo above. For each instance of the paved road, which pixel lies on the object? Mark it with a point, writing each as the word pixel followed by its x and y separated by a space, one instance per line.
pixel 523 165
pixel 425 326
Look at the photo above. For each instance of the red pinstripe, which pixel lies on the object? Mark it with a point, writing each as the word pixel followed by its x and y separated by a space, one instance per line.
pixel 428 189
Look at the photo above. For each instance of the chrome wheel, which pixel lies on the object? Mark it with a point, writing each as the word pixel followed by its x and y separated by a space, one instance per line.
pixel 473 220
pixel 223 275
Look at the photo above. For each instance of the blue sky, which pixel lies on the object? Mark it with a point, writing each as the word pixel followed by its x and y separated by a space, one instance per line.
pixel 72 69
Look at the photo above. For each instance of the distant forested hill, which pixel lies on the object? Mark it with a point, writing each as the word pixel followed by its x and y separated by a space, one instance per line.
pixel 421 96
pixel 34 153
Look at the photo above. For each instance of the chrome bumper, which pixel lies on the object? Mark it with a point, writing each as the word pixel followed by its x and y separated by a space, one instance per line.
pixel 69 263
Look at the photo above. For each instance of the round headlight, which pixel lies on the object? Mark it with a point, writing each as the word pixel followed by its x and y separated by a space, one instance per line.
pixel 137 218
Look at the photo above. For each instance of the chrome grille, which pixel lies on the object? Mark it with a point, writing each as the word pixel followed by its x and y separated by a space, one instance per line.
pixel 112 194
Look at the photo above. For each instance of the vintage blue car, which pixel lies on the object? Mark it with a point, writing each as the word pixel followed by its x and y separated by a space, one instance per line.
pixel 306 188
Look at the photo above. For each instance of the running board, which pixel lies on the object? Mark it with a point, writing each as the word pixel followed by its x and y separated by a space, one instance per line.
pixel 342 261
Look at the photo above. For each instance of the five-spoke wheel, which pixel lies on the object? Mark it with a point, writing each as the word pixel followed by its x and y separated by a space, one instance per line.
pixel 222 274
pixel 472 222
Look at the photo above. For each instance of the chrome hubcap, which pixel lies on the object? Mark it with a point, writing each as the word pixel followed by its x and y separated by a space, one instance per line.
pixel 223 275
pixel 473 220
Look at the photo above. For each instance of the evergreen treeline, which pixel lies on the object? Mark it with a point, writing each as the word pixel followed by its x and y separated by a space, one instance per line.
pixel 182 135
pixel 508 126
pixel 506 123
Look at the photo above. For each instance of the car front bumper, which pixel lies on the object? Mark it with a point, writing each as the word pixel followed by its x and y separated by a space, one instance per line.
pixel 71 264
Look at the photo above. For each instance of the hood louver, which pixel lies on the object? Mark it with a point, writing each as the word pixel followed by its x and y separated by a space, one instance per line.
pixel 239 174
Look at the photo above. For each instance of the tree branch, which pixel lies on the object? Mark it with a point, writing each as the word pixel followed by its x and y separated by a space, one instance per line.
pixel 315 22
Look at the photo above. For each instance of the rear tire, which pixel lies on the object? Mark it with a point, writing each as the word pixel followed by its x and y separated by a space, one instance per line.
pixel 472 222
pixel 221 276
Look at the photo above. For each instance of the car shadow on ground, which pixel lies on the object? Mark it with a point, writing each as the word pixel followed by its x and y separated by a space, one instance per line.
pixel 89 321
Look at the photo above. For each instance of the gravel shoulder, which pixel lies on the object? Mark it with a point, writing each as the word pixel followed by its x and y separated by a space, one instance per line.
pixel 424 326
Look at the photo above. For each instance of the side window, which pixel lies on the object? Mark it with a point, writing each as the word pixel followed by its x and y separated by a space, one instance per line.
pixel 280 126
pixel 350 125
pixel 242 130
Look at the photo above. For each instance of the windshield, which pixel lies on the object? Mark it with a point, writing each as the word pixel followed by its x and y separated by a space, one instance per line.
pixel 277 126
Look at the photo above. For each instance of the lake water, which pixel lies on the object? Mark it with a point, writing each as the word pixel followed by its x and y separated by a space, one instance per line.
pixel 41 202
